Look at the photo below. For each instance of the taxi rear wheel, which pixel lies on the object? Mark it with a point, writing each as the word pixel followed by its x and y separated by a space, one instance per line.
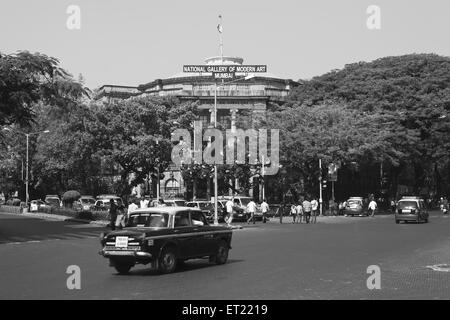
pixel 167 260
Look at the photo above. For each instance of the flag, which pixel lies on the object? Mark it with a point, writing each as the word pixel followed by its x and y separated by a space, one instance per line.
pixel 219 26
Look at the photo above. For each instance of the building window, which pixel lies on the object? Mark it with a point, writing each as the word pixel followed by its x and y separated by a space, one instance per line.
pixel 205 120
pixel 172 187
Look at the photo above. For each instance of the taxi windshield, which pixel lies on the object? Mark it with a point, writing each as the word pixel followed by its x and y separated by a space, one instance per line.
pixel 149 220
pixel 353 202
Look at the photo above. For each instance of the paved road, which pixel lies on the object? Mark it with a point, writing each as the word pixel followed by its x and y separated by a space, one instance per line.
pixel 327 260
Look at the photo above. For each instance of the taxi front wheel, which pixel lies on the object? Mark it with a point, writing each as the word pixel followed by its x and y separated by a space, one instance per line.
pixel 167 260
pixel 222 254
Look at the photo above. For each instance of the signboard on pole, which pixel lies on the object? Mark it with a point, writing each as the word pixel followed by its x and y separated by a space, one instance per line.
pixel 332 172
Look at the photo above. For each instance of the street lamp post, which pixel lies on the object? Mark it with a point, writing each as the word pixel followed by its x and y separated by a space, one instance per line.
pixel 27 196
pixel 216 220
pixel 27 135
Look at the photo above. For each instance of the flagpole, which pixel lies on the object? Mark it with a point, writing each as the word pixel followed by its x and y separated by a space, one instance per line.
pixel 221 39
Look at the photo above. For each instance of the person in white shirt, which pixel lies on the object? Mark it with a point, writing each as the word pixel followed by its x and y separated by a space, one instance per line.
pixel 299 212
pixel 372 207
pixel 131 208
pixel 315 208
pixel 251 208
pixel 229 205
pixel 264 209
pixel 293 212
pixel 143 204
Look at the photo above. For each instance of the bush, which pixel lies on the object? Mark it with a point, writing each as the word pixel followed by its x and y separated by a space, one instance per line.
pixel 69 197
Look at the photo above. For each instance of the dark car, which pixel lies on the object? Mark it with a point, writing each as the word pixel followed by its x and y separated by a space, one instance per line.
pixel 207 207
pixel 164 237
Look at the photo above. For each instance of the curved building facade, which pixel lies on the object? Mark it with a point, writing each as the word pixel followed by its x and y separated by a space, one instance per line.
pixel 251 93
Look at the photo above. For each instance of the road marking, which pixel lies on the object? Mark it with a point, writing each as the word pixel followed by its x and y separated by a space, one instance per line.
pixel 440 267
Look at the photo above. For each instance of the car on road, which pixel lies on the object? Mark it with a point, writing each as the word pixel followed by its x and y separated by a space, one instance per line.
pixel 355 207
pixel 165 237
pixel 411 209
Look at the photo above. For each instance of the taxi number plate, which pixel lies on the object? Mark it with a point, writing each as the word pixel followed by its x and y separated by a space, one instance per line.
pixel 121 242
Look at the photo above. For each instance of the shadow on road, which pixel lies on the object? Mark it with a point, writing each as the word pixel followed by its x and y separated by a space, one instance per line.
pixel 181 268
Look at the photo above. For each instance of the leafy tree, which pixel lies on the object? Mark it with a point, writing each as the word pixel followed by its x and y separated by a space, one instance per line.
pixel 27 78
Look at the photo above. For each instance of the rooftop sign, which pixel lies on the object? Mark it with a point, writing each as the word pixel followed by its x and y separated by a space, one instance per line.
pixel 225 68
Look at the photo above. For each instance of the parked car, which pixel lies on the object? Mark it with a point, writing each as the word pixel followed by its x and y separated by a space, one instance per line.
pixel 53 201
pixel 107 197
pixel 355 207
pixel 411 209
pixel 36 205
pixel 164 237
pixel 175 202
pixel 207 207
pixel 85 204
pixel 102 205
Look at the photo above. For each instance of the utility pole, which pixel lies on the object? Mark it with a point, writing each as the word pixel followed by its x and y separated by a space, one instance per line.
pixel 320 187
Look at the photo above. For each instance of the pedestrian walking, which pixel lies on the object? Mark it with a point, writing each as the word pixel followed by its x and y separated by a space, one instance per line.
pixel 372 208
pixel 161 203
pixel 281 211
pixel 299 212
pixel 251 208
pixel 314 208
pixel 112 214
pixel 264 209
pixel 293 212
pixel 307 210
pixel 229 207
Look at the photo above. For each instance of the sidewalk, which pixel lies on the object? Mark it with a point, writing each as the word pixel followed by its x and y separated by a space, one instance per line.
pixel 57 217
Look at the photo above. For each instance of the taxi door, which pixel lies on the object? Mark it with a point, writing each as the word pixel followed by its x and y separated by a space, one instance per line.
pixel 184 234
pixel 205 242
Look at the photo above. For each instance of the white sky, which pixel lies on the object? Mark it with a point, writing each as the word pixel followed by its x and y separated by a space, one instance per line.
pixel 136 41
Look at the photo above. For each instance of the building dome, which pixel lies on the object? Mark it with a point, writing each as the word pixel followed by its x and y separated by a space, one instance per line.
pixel 224 60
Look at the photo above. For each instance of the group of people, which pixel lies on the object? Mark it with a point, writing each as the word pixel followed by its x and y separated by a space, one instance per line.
pixel 303 211
pixel 117 215
pixel 251 210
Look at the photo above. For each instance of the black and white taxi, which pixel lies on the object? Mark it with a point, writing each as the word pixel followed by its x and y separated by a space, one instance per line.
pixel 163 237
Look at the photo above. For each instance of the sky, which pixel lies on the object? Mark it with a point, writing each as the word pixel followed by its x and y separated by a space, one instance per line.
pixel 137 41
